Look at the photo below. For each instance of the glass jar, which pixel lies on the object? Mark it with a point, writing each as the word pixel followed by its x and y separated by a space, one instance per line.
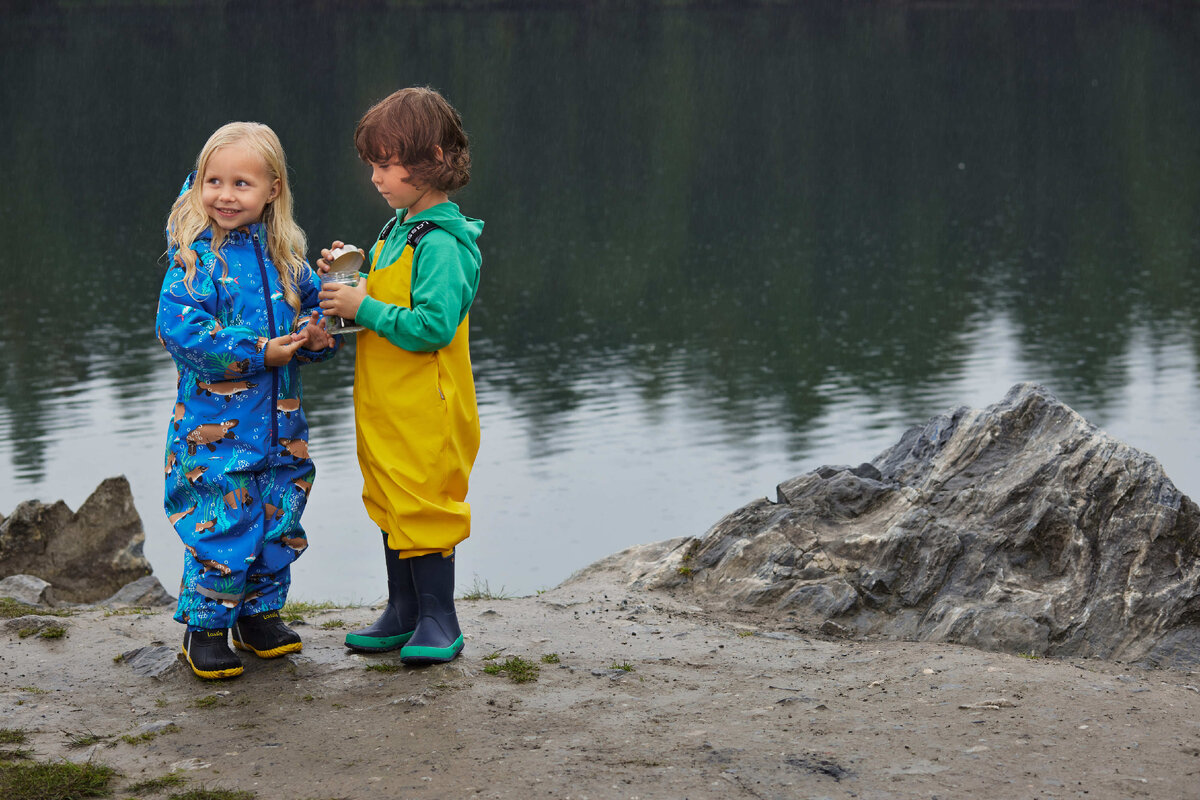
pixel 344 264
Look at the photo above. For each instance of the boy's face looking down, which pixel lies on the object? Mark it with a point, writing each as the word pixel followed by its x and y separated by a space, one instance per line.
pixel 391 180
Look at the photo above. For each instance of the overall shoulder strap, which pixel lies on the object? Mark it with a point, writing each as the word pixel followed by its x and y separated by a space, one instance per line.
pixel 383 234
pixel 418 232
pixel 415 236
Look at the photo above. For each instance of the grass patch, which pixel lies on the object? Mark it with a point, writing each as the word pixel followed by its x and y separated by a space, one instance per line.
pixel 333 623
pixel 58 781
pixel 11 609
pixel 518 669
pixel 34 689
pixel 384 667
pixel 550 658
pixel 13 736
pixel 48 632
pixel 624 665
pixel 206 702
pixel 140 738
pixel 127 611
pixel 294 610
pixel 481 591
pixel 155 785
pixel 82 740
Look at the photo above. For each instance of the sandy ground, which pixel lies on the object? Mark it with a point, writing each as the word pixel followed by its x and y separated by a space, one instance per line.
pixel 705 707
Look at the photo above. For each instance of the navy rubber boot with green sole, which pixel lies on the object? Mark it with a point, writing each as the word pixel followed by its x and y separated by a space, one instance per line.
pixel 437 638
pixel 396 624
pixel 265 635
pixel 208 654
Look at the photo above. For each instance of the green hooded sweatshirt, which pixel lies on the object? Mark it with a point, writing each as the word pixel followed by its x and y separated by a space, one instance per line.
pixel 445 278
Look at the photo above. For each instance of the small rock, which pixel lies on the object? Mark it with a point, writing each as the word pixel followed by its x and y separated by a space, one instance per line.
pixel 151 662
pixel 831 628
pixel 145 591
pixel 998 703
pixel 33 623
pixel 28 589
pixel 611 674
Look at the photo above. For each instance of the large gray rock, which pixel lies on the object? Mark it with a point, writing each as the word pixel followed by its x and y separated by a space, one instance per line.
pixel 86 555
pixel 1020 527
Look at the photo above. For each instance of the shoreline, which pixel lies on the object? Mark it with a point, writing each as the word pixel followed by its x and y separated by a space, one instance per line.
pixel 649 698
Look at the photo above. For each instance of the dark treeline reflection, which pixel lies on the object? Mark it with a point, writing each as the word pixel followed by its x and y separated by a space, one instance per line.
pixel 747 203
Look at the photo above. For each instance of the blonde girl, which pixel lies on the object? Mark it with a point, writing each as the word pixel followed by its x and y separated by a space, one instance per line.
pixel 237 467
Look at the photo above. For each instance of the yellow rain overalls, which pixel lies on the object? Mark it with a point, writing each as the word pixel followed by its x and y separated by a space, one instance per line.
pixel 417 426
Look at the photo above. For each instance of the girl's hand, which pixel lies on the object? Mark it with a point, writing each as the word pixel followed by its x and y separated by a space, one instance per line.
pixel 313 335
pixel 339 300
pixel 281 349
pixel 323 261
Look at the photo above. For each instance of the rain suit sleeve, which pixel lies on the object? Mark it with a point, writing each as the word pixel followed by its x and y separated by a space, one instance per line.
pixel 443 288
pixel 188 327
pixel 309 302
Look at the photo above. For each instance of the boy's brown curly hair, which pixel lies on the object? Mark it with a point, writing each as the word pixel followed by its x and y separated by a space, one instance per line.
pixel 410 125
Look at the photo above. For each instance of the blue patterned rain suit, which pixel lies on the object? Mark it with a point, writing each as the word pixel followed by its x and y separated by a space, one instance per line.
pixel 237 467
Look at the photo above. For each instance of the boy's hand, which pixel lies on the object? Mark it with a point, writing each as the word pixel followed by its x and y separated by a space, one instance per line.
pixel 281 349
pixel 343 301
pixel 323 261
pixel 314 335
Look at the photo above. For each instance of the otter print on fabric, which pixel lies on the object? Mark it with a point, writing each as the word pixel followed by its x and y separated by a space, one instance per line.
pixel 236 464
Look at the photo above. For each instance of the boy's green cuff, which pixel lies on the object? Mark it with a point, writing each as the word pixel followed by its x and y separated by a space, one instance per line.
pixel 370 313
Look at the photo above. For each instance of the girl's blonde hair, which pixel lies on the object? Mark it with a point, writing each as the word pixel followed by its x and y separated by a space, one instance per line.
pixel 285 240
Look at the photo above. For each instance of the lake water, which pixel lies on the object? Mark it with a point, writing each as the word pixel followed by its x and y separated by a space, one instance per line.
pixel 724 245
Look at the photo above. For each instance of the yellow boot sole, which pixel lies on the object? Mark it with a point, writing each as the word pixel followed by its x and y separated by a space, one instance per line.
pixel 209 675
pixel 275 652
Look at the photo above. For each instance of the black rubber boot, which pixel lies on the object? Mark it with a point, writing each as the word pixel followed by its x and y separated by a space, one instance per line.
pixel 265 635
pixel 437 638
pixel 399 618
pixel 208 653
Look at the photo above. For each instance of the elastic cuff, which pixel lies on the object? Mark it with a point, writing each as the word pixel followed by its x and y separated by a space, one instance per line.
pixel 258 361
pixel 369 312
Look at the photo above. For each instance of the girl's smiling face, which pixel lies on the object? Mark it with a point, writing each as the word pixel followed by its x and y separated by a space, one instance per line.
pixel 237 187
